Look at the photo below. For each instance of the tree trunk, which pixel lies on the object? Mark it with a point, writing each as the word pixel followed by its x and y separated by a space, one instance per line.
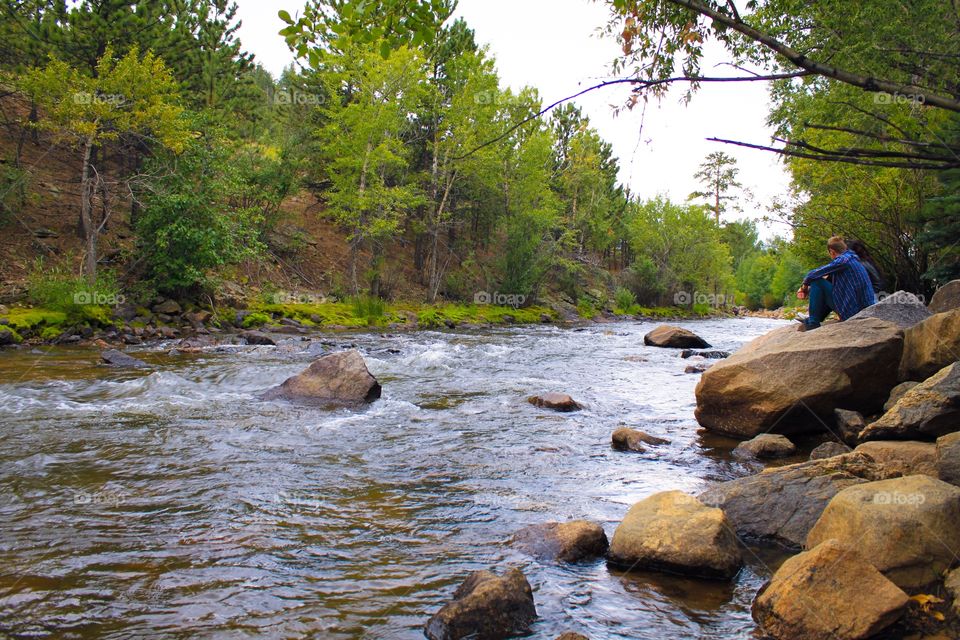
pixel 86 217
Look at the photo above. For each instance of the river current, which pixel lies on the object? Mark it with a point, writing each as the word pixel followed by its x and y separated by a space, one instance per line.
pixel 172 502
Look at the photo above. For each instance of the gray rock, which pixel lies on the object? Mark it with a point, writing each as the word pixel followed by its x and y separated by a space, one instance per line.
pixel 948 458
pixel 849 425
pixel 782 504
pixel 7 338
pixel 897 392
pixel 486 607
pixel 699 367
pixel 829 450
pixel 258 338
pixel 902 308
pixel 766 445
pixel 573 541
pixel 714 354
pixel 946 298
pixel 167 307
pixel 116 358
pixel 338 379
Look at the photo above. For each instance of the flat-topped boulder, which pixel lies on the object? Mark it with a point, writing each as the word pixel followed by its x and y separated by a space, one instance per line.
pixel 790 381
pixel 782 504
pixel 572 541
pixel 906 458
pixel 486 606
pixel 927 411
pixel 554 401
pixel 930 345
pixel 338 379
pixel 830 592
pixel 908 527
pixel 674 532
pixel 901 308
pixel 673 337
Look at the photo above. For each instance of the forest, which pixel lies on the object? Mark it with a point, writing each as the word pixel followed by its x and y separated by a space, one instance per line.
pixel 189 164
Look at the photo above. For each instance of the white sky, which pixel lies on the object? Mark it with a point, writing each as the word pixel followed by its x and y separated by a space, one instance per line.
pixel 553 45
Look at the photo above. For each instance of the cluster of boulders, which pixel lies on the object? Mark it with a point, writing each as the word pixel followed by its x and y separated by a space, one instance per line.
pixel 876 508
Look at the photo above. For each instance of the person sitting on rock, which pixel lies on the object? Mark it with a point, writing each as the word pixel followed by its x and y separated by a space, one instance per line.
pixel 868 263
pixel 843 286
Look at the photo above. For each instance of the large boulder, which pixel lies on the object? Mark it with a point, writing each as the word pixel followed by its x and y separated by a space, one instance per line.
pixel 338 379
pixel 930 345
pixel 676 533
pixel 782 504
pixel 674 337
pixel 789 381
pixel 766 445
pixel 572 541
pixel 905 458
pixel 555 401
pixel 925 412
pixel 828 593
pixel 486 607
pixel 946 298
pixel 901 308
pixel 908 527
pixel 948 458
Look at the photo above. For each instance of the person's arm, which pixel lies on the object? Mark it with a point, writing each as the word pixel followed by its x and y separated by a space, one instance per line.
pixel 837 264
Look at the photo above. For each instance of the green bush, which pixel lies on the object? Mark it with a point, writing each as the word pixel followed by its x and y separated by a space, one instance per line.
pixel 256 319
pixel 369 308
pixel 625 301
pixel 585 308
pixel 60 290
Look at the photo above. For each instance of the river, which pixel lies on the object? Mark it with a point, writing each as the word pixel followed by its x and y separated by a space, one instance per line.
pixel 173 503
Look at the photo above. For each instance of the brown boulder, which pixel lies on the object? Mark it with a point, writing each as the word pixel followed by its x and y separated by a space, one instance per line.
pixel 676 533
pixel 948 458
pixel 627 439
pixel 789 381
pixel 572 541
pixel 782 504
pixel 674 338
pixel 258 338
pixel 905 458
pixel 338 379
pixel 555 401
pixel 927 411
pixel 486 607
pixel 829 450
pixel 766 445
pixel 946 298
pixel 850 424
pixel 908 527
pixel 897 392
pixel 930 345
pixel 819 595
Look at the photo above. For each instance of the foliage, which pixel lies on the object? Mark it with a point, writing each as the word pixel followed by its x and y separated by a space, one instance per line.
pixel 718 175
pixel 625 301
pixel 59 290
pixel 369 308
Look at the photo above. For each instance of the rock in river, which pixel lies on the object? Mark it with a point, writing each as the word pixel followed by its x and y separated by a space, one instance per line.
pixel 340 378
pixel 766 445
pixel 674 337
pixel 676 533
pixel 789 381
pixel 486 607
pixel 555 401
pixel 627 439
pixel 782 504
pixel 572 541
pixel 258 338
pixel 116 358
pixel 828 593
pixel 909 527
pixel 927 411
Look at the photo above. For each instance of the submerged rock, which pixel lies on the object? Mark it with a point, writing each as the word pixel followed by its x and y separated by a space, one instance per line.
pixel 486 607
pixel 116 358
pixel 766 445
pixel 674 532
pixel 901 308
pixel 928 410
pixel 820 595
pixel 789 381
pixel 573 541
pixel 627 439
pixel 555 401
pixel 258 338
pixel 674 337
pixel 700 367
pixel 782 504
pixel 340 378
pixel 908 527
pixel 709 355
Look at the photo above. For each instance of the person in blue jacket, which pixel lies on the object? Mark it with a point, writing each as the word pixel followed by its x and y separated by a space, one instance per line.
pixel 843 286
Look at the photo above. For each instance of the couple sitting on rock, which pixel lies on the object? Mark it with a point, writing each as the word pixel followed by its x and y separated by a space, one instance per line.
pixel 847 285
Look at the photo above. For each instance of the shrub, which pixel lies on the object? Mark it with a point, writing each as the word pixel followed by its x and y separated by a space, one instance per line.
pixel 624 301
pixel 256 319
pixel 60 290
pixel 369 308
pixel 585 308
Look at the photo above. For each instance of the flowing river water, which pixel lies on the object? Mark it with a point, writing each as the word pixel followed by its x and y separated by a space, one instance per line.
pixel 171 502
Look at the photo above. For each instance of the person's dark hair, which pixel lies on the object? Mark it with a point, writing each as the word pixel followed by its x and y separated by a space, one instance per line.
pixel 860 249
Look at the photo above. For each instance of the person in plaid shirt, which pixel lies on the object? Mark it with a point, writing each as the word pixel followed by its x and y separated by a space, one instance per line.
pixel 843 286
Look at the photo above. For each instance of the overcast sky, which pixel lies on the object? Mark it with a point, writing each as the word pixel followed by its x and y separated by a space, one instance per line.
pixel 553 45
